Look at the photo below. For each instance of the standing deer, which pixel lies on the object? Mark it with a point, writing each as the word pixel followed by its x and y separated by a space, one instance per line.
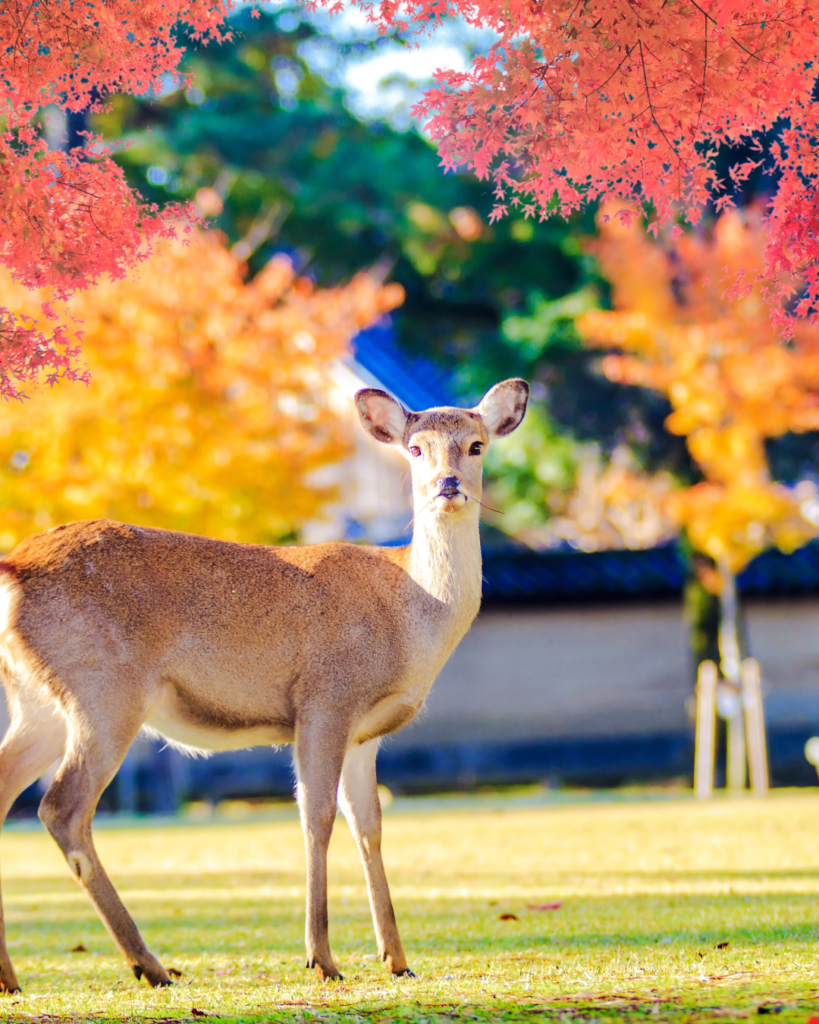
pixel 107 628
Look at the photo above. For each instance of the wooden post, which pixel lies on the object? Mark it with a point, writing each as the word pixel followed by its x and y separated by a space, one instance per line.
pixel 755 726
pixel 706 730
pixel 735 774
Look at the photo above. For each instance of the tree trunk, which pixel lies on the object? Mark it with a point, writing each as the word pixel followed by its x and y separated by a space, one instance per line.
pixel 701 605
pixel 716 629
pixel 732 649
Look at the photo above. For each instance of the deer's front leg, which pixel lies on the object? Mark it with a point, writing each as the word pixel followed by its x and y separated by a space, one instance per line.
pixel 320 747
pixel 359 801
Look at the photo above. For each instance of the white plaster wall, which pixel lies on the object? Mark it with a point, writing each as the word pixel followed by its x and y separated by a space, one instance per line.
pixel 784 637
pixel 562 672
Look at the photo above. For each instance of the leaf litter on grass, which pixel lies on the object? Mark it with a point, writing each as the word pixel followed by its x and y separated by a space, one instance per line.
pixel 649 890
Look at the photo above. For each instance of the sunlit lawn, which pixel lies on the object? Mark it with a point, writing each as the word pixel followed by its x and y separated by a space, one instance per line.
pixel 649 890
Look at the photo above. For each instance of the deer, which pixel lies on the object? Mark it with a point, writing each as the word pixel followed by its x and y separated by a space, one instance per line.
pixel 107 629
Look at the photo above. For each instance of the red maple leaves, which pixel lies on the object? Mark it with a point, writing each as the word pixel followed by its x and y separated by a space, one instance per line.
pixel 627 98
pixel 581 100
pixel 65 220
pixel 577 100
pixel 67 52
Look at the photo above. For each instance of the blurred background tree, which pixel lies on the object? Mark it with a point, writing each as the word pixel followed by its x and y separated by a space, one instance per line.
pixel 615 505
pixel 732 384
pixel 278 161
pixel 207 408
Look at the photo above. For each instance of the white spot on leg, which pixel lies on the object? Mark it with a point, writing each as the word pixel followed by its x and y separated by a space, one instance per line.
pixel 80 865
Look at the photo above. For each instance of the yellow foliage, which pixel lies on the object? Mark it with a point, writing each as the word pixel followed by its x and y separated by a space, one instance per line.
pixel 734 522
pixel 615 506
pixel 730 379
pixel 207 408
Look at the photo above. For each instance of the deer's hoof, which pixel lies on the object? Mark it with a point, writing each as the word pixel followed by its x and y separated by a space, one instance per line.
pixel 329 973
pixel 394 969
pixel 325 974
pixel 157 978
pixel 8 979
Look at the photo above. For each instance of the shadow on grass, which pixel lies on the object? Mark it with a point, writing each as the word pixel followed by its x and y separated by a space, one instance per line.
pixel 162 884
pixel 715 875
pixel 216 880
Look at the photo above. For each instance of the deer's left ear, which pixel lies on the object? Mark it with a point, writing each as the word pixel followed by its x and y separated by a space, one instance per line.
pixel 503 406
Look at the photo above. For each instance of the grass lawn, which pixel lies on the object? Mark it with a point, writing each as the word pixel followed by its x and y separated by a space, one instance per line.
pixel 670 910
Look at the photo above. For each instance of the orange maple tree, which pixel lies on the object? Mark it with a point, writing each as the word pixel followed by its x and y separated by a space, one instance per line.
pixel 208 404
pixel 731 381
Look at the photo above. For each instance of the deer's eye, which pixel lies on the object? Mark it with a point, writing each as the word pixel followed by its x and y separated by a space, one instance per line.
pixel 476 448
pixel 415 451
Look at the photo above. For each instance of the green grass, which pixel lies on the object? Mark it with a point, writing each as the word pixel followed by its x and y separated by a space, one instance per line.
pixel 649 889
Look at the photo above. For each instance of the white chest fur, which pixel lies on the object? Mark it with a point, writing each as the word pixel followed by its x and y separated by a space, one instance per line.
pixel 443 595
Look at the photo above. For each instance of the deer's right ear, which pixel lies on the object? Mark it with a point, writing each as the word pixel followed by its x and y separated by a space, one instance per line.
pixel 381 415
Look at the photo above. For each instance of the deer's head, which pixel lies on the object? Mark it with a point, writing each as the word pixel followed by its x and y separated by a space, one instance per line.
pixel 445 446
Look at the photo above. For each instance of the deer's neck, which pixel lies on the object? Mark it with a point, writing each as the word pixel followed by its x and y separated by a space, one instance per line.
pixel 445 560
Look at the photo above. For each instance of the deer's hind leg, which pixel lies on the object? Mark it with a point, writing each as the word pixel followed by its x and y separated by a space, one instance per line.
pixel 33 741
pixel 99 735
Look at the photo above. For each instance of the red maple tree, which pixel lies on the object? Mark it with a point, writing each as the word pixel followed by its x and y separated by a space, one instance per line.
pixel 629 100
pixel 65 219
pixel 576 100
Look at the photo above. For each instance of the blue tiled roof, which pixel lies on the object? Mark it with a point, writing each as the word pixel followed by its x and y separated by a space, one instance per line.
pixel 416 383
pixel 530 576
pixel 777 573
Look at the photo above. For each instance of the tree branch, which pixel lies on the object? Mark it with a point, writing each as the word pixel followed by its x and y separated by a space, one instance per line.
pixel 651 105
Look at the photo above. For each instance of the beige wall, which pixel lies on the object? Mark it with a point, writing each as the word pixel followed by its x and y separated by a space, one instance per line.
pixel 784 637
pixel 605 671
pixel 562 672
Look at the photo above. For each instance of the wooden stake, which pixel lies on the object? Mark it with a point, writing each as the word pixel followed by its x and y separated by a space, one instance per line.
pixel 755 726
pixel 706 730
pixel 735 774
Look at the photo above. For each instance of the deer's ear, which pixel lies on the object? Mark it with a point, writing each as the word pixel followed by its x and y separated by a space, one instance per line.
pixel 503 406
pixel 381 415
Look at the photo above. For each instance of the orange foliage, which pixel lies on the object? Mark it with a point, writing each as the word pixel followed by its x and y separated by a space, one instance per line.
pixel 207 408
pixel 615 506
pixel 731 381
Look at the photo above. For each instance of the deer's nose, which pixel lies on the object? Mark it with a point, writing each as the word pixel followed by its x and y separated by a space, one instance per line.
pixel 449 486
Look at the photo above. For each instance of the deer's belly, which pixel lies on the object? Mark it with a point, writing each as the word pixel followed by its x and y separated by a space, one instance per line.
pixel 203 729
